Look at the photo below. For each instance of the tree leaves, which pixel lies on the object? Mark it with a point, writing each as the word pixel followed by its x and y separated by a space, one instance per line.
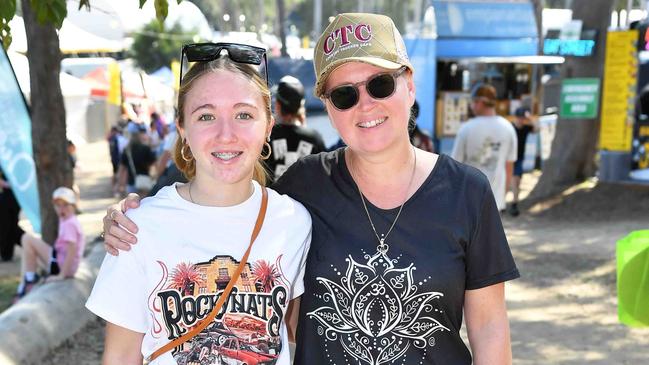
pixel 85 3
pixel 161 9
pixel 7 11
pixel 50 12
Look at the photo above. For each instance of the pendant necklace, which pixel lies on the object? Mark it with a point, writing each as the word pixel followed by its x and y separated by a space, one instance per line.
pixel 383 247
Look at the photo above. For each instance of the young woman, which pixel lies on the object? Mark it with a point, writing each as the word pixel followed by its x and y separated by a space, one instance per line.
pixel 192 236
pixel 405 242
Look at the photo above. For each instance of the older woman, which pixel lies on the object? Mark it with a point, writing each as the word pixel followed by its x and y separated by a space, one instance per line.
pixel 404 241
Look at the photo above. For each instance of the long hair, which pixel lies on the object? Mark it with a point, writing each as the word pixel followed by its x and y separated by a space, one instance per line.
pixel 188 168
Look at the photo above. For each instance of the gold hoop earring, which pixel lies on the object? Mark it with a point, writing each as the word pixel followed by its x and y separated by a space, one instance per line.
pixel 270 150
pixel 182 152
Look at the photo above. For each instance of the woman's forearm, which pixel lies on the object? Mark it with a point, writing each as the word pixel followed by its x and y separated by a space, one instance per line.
pixel 491 344
pixel 487 325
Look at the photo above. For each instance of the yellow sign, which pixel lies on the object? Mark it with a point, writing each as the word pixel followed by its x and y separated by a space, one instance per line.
pixel 620 77
pixel 175 69
pixel 115 89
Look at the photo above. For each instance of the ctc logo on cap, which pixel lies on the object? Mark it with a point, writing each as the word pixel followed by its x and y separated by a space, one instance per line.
pixel 362 33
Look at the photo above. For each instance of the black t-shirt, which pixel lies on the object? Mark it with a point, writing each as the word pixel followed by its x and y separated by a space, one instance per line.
pixel 143 158
pixel 360 307
pixel 289 143
pixel 521 136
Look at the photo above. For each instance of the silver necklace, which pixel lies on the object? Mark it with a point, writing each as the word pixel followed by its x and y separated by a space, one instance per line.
pixel 383 247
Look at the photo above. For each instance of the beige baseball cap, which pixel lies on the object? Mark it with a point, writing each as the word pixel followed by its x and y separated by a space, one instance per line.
pixel 65 194
pixel 360 37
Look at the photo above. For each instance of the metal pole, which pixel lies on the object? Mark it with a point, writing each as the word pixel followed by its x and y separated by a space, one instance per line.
pixel 317 18
pixel 629 5
pixel 417 15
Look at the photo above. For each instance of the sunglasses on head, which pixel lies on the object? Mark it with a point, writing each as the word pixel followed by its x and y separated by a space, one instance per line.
pixel 206 52
pixel 379 86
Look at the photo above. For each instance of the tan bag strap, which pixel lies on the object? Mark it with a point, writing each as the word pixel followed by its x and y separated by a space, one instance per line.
pixel 226 292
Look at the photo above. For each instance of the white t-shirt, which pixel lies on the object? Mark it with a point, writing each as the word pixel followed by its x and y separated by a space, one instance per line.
pixel 488 143
pixel 186 253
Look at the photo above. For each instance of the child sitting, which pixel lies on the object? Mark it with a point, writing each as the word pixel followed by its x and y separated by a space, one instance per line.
pixel 66 252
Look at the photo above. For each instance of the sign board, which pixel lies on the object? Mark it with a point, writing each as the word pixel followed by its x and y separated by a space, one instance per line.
pixel 620 78
pixel 453 108
pixel 565 48
pixel 16 155
pixel 579 98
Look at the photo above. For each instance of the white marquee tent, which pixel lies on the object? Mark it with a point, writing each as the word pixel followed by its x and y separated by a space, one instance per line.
pixel 76 96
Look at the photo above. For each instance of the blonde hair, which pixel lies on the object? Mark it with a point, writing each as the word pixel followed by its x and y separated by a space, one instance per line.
pixel 188 168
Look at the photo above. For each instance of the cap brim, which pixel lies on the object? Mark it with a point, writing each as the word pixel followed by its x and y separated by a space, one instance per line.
pixel 379 62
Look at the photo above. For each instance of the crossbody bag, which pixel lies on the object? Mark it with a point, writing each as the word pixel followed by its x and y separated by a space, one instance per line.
pixel 226 292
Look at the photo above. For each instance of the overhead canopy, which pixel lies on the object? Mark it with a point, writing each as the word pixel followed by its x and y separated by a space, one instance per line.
pixel 72 39
pixel 478 28
pixel 100 84
pixel 70 85
pixel 532 60
pixel 117 19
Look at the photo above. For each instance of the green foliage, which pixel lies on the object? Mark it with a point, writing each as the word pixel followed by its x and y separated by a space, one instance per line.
pixel 7 11
pixel 50 12
pixel 155 46
pixel 161 9
pixel 84 3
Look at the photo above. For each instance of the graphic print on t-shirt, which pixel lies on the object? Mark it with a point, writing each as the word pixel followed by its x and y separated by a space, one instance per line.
pixel 487 158
pixel 376 312
pixel 247 328
pixel 281 154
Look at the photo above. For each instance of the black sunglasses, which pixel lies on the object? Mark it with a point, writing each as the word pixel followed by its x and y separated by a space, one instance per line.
pixel 379 86
pixel 205 52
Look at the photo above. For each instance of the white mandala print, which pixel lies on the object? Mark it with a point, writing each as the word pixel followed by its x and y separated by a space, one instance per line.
pixel 375 312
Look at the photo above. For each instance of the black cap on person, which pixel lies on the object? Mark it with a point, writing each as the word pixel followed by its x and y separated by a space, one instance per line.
pixel 290 94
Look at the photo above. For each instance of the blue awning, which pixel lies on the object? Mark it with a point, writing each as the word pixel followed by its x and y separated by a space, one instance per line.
pixel 485 28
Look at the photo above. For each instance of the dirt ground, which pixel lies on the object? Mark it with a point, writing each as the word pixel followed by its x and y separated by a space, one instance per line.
pixel 563 309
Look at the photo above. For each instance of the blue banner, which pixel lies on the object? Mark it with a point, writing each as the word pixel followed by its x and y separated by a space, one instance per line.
pixel 16 155
pixel 421 52
pixel 485 19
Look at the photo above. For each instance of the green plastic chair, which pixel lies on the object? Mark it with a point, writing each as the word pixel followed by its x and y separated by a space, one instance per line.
pixel 633 279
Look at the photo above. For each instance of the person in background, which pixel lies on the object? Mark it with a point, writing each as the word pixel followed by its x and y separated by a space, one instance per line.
pixel 524 125
pixel 68 247
pixel 158 125
pixel 487 142
pixel 418 138
pixel 116 144
pixel 10 231
pixel 165 163
pixel 406 243
pixel 290 139
pixel 136 159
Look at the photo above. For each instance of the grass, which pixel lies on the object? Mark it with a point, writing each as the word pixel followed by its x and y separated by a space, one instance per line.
pixel 8 286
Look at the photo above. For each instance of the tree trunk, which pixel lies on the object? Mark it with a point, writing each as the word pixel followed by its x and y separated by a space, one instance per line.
pixel 48 116
pixel 281 18
pixel 575 143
